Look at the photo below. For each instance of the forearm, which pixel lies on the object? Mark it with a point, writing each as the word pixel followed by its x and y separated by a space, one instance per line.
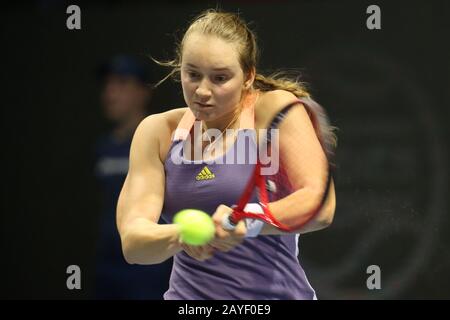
pixel 311 226
pixel 298 214
pixel 146 242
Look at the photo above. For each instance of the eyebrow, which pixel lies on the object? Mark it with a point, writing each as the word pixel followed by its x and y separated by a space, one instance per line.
pixel 216 69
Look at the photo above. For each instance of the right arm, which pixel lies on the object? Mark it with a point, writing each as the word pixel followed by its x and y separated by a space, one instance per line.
pixel 144 241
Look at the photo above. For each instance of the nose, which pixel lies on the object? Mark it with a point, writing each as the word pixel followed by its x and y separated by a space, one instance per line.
pixel 203 91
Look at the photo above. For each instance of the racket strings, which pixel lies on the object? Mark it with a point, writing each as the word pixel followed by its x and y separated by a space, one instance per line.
pixel 303 169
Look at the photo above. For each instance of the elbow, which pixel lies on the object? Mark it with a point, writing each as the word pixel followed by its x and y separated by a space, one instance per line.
pixel 135 247
pixel 326 216
pixel 127 250
pixel 132 250
pixel 125 236
pixel 130 245
pixel 128 259
pixel 131 254
pixel 326 221
pixel 317 220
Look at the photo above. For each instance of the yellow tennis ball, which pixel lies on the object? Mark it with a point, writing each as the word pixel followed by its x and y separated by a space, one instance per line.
pixel 197 227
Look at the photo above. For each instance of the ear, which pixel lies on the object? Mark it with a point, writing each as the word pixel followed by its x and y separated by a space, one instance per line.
pixel 250 78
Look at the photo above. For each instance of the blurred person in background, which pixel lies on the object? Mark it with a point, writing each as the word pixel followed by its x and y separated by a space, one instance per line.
pixel 125 98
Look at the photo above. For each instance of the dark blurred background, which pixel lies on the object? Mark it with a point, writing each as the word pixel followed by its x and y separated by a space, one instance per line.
pixel 388 92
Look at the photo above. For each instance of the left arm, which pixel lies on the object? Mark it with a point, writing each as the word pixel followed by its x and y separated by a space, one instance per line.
pixel 306 163
pixel 322 220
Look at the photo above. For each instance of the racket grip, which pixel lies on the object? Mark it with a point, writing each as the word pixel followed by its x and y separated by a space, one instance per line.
pixel 227 224
pixel 253 226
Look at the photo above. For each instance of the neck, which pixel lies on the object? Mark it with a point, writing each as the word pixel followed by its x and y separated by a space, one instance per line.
pixel 224 122
pixel 228 120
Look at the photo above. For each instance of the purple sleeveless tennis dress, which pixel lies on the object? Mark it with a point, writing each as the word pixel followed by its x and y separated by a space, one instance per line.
pixel 265 267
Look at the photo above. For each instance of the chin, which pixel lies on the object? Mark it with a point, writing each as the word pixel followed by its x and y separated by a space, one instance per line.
pixel 204 114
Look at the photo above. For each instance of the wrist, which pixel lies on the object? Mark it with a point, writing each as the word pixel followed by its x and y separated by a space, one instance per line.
pixel 254 226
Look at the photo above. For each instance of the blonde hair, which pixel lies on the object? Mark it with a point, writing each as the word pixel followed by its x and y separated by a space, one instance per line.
pixel 231 28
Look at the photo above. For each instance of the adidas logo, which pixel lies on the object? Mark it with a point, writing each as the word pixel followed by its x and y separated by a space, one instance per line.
pixel 205 174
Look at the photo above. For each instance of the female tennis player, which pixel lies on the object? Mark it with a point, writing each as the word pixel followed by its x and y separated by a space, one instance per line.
pixel 216 63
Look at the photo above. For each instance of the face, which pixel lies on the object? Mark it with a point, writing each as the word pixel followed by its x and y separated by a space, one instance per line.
pixel 211 76
pixel 122 97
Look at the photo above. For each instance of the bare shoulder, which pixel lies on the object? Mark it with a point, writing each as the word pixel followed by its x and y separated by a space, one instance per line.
pixel 278 96
pixel 173 117
pixel 270 103
pixel 161 124
pixel 163 121
pixel 158 128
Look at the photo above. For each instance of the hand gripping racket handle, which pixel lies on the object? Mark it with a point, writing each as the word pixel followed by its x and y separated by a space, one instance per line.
pixel 230 221
pixel 227 223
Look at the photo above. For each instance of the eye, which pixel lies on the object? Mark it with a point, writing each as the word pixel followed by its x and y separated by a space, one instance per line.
pixel 193 75
pixel 220 78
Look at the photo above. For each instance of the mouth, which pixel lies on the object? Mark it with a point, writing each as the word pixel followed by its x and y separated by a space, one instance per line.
pixel 204 105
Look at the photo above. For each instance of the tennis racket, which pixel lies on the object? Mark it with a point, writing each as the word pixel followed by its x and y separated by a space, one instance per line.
pixel 279 185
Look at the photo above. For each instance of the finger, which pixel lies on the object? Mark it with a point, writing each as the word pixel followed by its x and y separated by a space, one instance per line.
pixel 206 250
pixel 241 230
pixel 221 246
pixel 221 211
pixel 221 233
pixel 225 245
pixel 224 248
pixel 230 241
pixel 200 253
pixel 191 251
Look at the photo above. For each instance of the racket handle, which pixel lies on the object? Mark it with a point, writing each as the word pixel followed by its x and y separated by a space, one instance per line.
pixel 253 226
pixel 227 224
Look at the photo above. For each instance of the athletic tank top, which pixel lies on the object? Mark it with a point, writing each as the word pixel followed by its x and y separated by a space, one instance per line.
pixel 265 267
